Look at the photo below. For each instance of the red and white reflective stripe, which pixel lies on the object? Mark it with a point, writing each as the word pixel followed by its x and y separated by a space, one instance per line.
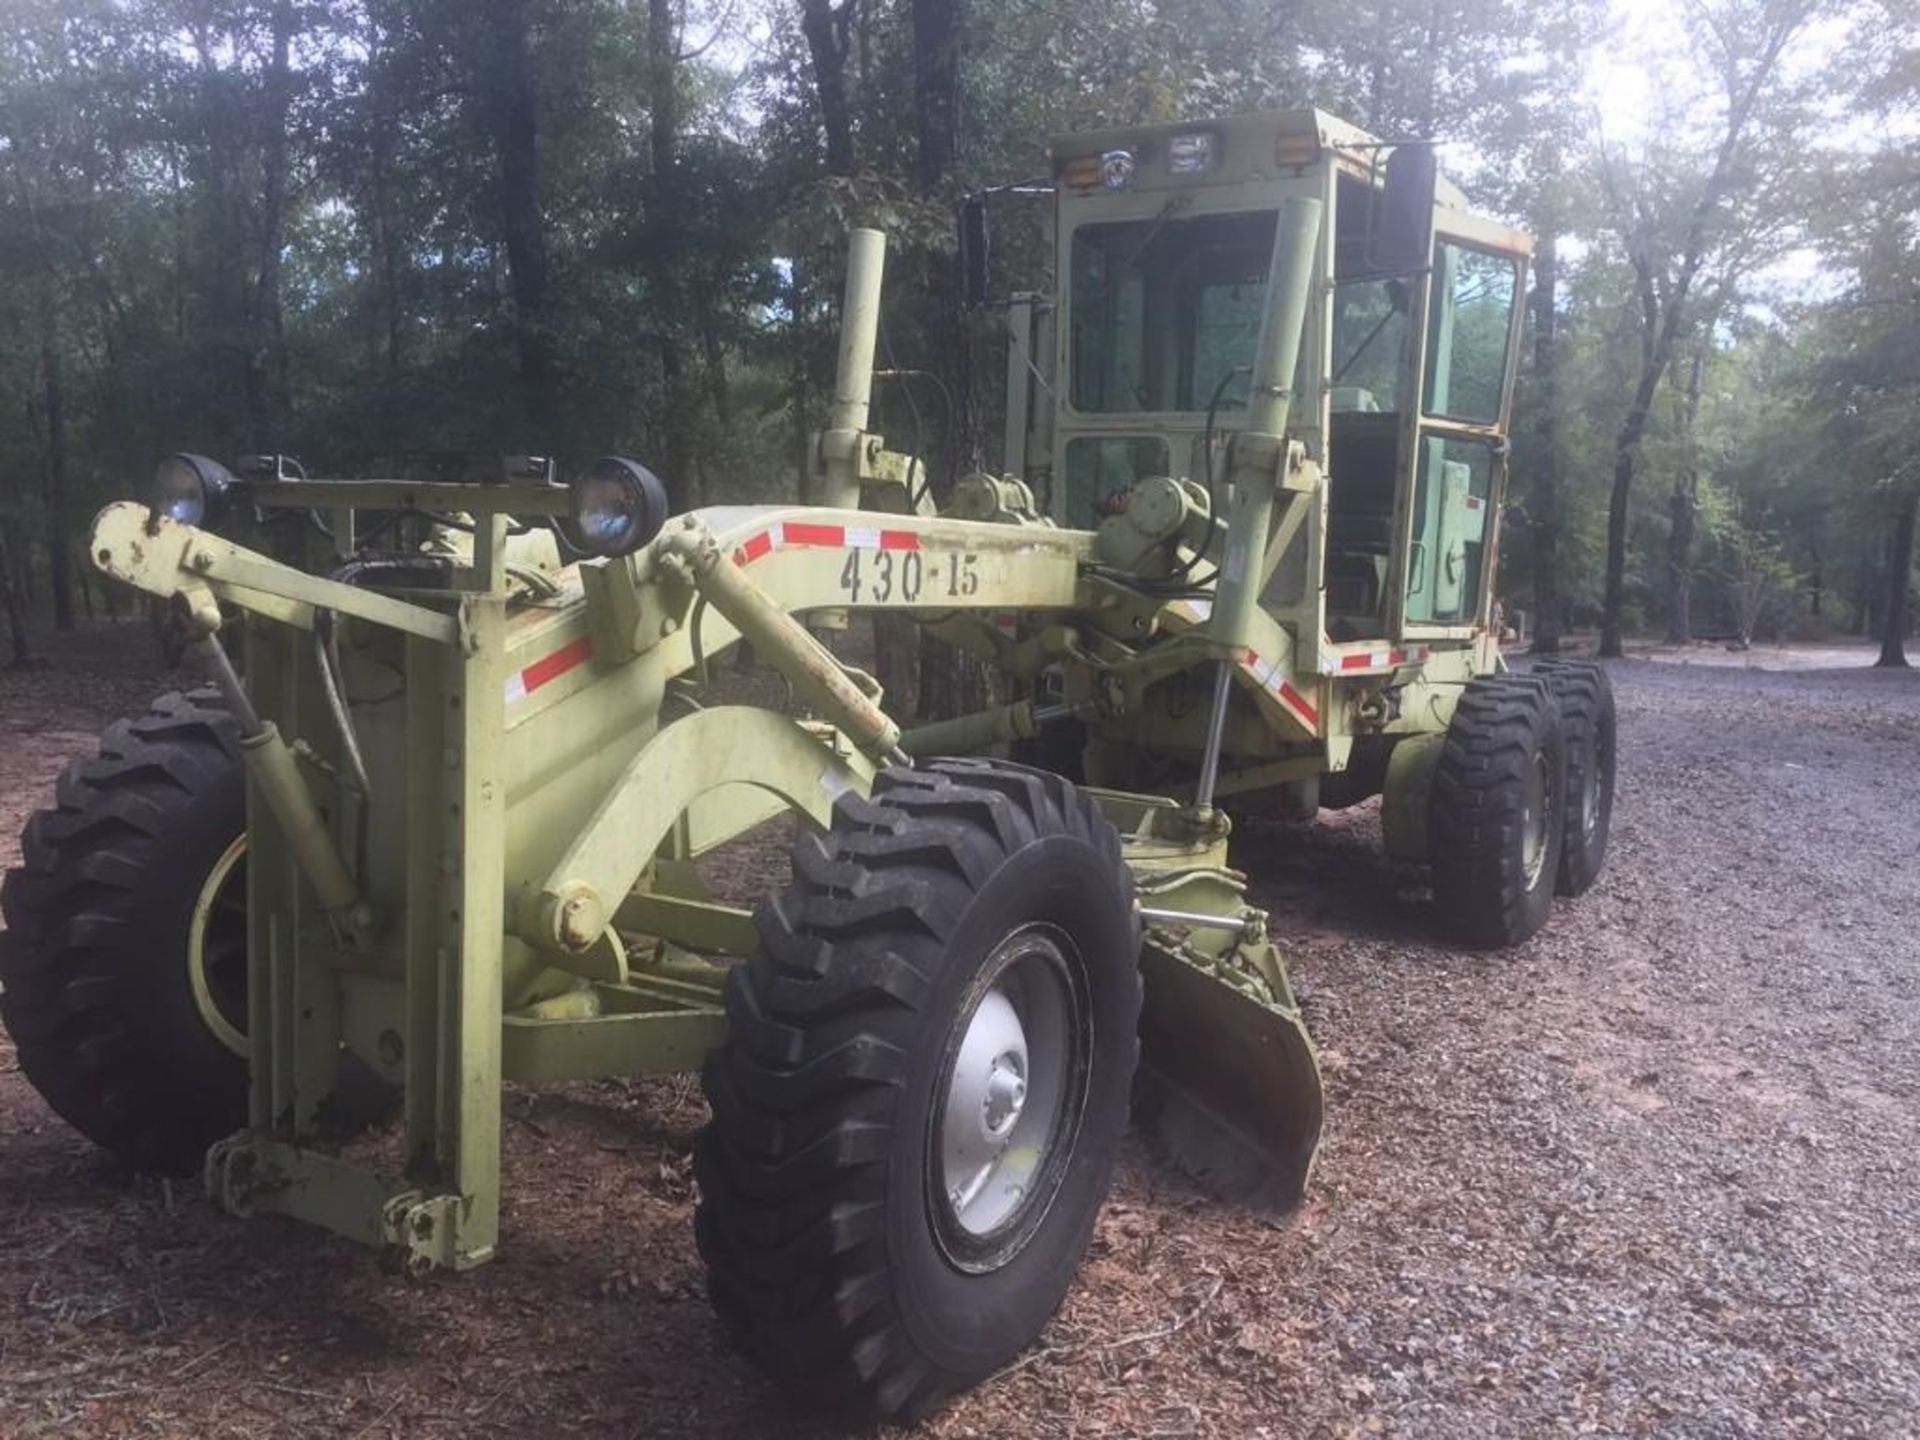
pixel 1272 679
pixel 1303 709
pixel 1365 660
pixel 756 546
pixel 802 535
pixel 545 671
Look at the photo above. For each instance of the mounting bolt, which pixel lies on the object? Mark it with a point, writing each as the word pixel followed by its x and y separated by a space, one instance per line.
pixel 201 562
pixel 668 626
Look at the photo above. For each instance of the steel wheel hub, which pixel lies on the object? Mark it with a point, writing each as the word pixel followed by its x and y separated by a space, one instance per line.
pixel 1014 1065
pixel 1533 832
pixel 1590 801
pixel 985 1098
pixel 1006 1093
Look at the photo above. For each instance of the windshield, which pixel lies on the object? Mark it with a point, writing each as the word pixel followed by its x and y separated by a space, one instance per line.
pixel 1164 309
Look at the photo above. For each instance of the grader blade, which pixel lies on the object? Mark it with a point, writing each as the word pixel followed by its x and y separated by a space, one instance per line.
pixel 1229 1084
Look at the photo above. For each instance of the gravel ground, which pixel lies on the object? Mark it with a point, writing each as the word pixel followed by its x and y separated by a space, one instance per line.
pixel 1649 1174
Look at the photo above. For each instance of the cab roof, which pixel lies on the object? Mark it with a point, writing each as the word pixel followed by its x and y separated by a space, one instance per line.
pixel 1265 144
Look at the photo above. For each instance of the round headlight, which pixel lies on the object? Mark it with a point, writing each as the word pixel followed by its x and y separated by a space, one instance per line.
pixel 191 489
pixel 618 506
pixel 1116 169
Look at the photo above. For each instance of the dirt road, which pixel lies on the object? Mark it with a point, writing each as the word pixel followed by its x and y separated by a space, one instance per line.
pixel 1654 1173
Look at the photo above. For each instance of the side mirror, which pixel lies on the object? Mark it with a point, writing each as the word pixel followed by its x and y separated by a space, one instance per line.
pixel 1402 238
pixel 974 244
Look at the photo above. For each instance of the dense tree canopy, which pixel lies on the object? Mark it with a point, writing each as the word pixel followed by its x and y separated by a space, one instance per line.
pixel 357 230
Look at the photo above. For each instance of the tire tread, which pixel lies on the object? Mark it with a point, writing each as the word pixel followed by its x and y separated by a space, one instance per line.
pixel 792 1170
pixel 74 934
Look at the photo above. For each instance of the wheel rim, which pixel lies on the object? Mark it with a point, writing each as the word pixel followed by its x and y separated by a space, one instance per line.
pixel 1534 826
pixel 1011 1088
pixel 1590 795
pixel 217 949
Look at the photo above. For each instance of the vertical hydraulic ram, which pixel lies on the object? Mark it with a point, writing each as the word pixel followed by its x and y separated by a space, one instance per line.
pixel 1258 459
pixel 837 463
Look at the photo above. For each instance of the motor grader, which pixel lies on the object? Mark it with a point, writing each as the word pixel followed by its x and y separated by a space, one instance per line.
pixel 434 825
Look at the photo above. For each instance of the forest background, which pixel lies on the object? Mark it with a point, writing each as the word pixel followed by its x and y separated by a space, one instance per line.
pixel 357 231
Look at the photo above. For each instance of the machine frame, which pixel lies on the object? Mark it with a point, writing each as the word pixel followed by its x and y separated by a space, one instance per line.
pixel 526 907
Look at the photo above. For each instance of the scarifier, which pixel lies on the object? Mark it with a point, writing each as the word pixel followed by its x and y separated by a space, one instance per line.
pixel 433 827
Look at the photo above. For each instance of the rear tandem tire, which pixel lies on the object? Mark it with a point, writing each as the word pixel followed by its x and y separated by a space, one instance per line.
pixel 98 999
pixel 926 1076
pixel 1585 697
pixel 1497 811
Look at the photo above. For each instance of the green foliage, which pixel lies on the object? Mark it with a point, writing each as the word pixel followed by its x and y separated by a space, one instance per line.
pixel 356 230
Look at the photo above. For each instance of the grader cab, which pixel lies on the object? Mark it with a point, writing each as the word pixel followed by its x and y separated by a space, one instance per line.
pixel 434 825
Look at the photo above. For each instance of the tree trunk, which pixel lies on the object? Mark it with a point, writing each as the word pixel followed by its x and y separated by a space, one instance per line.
pixel 267 381
pixel 385 230
pixel 386 238
pixel 182 256
pixel 936 88
pixel 1615 593
pixel 59 521
pixel 1683 507
pixel 1544 491
pixel 950 681
pixel 217 295
pixel 16 607
pixel 825 27
pixel 799 356
pixel 936 68
pixel 514 103
pixel 1866 595
pixel 1428 69
pixel 714 350
pixel 1893 638
pixel 666 247
pixel 1376 116
pixel 1626 454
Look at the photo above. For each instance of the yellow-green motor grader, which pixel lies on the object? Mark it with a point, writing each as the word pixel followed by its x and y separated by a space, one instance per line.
pixel 444 832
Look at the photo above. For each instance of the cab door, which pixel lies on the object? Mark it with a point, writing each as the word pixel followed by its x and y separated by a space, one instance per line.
pixel 1454 446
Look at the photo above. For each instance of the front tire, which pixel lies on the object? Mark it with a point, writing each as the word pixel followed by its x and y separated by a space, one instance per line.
pixel 100 997
pixel 916 1110
pixel 1497 818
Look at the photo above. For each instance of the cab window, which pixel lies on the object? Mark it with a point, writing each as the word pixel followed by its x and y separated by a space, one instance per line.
pixel 1163 310
pixel 1469 323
